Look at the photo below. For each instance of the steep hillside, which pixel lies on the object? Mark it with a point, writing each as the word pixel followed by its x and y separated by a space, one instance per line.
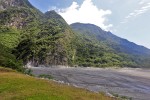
pixel 34 37
pixel 17 18
pixel 67 36
pixel 6 4
pixel 134 54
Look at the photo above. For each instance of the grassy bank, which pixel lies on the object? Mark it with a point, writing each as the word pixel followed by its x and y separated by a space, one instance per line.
pixel 17 86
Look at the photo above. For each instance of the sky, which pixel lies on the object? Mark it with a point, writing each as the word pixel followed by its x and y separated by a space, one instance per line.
pixel 129 19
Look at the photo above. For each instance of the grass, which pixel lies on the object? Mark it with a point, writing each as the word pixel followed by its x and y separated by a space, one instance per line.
pixel 17 86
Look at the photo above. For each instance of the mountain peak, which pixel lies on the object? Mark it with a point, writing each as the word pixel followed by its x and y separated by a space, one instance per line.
pixel 53 14
pixel 6 4
pixel 85 24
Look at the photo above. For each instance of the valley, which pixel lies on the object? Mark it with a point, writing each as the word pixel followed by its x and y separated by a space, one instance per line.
pixel 30 36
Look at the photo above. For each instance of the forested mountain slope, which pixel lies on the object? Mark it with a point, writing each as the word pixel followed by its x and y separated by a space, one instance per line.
pixel 126 50
pixel 30 36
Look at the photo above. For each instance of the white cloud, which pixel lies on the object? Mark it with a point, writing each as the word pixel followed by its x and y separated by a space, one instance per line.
pixel 143 9
pixel 86 13
pixel 143 2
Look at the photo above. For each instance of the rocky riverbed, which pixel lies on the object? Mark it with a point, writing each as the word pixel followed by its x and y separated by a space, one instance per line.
pixel 132 83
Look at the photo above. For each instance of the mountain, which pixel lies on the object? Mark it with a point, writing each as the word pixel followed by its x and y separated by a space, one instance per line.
pixel 113 41
pixel 13 14
pixel 136 53
pixel 6 4
pixel 33 37
pixel 28 36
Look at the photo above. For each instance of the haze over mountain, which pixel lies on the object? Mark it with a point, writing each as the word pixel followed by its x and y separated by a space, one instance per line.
pixel 113 41
pixel 29 36
pixel 117 45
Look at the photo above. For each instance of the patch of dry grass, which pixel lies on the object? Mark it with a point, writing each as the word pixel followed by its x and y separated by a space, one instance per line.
pixel 16 86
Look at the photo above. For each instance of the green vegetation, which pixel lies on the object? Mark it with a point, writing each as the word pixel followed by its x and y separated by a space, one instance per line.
pixel 103 49
pixel 121 97
pixel 28 35
pixel 28 72
pixel 7 59
pixel 31 36
pixel 45 76
pixel 16 86
pixel 9 36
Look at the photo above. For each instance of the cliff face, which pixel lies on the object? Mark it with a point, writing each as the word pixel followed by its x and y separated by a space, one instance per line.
pixel 17 13
pixel 6 4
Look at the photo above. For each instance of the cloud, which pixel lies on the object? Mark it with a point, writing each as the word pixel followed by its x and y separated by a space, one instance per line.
pixel 143 2
pixel 87 12
pixel 143 9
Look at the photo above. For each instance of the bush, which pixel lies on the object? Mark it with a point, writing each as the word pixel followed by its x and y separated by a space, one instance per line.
pixel 45 76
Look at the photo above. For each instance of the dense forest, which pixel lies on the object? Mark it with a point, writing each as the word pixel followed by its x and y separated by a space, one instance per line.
pixel 28 35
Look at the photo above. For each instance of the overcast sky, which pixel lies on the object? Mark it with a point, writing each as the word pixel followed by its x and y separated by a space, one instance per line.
pixel 129 19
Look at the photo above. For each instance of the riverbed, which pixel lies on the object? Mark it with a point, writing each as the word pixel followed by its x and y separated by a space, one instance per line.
pixel 129 82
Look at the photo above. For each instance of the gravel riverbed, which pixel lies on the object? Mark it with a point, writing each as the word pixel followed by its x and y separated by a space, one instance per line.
pixel 130 82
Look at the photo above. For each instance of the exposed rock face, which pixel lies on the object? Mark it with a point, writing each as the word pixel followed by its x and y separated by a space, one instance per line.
pixel 16 19
pixel 6 4
pixel 14 13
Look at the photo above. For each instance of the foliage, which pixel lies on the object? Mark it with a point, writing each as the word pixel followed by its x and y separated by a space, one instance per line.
pixel 28 72
pixel 8 40
pixel 7 59
pixel 103 49
pixel 45 76
pixel 28 35
pixel 9 36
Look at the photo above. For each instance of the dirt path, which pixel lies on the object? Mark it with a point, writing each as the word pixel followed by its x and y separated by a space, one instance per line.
pixel 134 83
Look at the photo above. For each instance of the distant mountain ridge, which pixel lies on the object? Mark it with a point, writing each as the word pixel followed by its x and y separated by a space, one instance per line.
pixel 136 53
pixel 117 43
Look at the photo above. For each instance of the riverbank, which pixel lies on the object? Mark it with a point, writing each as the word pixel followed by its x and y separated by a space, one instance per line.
pixel 17 86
